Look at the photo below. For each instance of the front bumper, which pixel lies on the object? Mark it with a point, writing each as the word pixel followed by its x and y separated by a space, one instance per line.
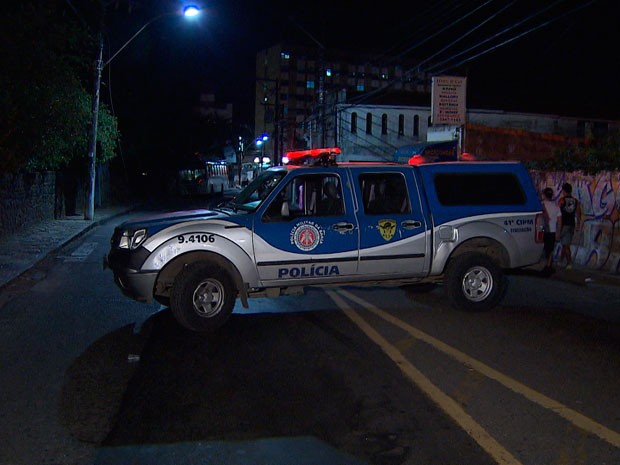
pixel 138 285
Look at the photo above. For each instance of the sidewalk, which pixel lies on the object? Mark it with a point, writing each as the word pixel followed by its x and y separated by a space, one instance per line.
pixel 21 251
pixel 576 275
pixel 584 276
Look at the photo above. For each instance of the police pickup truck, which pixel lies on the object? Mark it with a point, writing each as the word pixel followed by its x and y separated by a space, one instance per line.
pixel 317 222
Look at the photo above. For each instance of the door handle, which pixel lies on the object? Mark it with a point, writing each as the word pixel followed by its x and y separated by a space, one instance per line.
pixel 343 227
pixel 411 224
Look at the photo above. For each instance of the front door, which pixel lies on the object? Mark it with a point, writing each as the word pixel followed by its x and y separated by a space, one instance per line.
pixel 308 232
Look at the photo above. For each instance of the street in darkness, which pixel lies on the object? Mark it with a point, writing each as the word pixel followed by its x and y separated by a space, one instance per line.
pixel 352 375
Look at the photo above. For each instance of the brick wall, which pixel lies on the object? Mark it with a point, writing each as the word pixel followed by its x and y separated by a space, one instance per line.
pixel 488 143
pixel 25 199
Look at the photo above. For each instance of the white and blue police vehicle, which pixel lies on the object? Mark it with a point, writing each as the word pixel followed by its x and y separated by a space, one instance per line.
pixel 317 222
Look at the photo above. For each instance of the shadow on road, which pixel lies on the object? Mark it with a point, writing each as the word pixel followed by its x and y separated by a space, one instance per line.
pixel 309 380
pixel 95 384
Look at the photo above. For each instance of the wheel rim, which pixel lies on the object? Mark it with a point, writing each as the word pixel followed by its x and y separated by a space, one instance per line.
pixel 208 298
pixel 477 284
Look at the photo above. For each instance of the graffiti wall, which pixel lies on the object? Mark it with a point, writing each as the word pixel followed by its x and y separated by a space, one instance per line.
pixel 596 244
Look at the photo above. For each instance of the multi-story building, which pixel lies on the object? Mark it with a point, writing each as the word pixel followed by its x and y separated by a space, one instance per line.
pixel 297 88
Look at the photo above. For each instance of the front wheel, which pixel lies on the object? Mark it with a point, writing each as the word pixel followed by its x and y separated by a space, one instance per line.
pixel 474 282
pixel 203 297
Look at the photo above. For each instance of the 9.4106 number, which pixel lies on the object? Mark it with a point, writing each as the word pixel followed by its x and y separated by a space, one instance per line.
pixel 192 238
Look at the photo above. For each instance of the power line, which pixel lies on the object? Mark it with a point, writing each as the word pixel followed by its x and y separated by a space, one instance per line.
pixel 518 36
pixel 494 36
pixel 407 76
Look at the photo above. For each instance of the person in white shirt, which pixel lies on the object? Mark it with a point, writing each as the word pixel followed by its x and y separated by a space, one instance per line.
pixel 553 225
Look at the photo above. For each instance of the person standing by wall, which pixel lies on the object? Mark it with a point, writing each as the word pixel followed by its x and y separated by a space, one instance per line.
pixel 553 225
pixel 569 206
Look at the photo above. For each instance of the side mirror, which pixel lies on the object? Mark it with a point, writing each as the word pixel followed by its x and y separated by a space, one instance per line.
pixel 284 211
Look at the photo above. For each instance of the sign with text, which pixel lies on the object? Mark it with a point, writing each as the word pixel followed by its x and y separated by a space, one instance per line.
pixel 448 100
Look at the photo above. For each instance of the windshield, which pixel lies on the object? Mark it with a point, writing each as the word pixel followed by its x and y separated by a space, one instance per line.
pixel 250 198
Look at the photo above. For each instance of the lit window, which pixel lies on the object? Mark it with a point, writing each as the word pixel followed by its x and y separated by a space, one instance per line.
pixel 309 84
pixel 360 87
pixel 285 56
pixel 328 72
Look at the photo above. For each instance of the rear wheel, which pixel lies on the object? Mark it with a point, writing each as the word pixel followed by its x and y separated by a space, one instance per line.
pixel 474 282
pixel 203 297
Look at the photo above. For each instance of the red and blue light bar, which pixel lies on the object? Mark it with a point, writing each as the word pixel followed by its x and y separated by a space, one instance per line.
pixel 298 157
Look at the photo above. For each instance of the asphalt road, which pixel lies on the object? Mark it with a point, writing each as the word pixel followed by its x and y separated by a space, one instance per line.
pixel 347 376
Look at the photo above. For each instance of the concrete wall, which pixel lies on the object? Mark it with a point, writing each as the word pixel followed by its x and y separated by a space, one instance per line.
pixel 597 244
pixel 25 199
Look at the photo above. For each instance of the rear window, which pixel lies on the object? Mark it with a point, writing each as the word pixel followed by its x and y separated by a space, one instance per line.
pixel 455 189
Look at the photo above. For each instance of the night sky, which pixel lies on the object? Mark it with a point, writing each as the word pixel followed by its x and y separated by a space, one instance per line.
pixel 561 57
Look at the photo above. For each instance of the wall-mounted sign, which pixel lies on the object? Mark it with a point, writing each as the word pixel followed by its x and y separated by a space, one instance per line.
pixel 448 100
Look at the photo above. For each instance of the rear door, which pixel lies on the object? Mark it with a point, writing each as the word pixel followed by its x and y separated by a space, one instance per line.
pixel 307 233
pixel 394 231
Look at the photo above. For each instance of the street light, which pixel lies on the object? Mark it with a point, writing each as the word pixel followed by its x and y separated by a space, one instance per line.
pixel 260 142
pixel 189 11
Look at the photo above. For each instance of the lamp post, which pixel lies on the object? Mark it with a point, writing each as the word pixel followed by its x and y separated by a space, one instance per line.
pixel 189 12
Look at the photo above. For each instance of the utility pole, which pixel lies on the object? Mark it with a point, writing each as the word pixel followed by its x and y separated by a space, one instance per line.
pixel 240 154
pixel 276 126
pixel 322 121
pixel 89 212
pixel 321 97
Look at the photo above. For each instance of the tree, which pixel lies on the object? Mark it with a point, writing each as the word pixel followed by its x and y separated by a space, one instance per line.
pixel 45 58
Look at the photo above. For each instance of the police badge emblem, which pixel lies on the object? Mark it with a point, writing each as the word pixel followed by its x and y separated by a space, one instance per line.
pixel 387 229
pixel 307 235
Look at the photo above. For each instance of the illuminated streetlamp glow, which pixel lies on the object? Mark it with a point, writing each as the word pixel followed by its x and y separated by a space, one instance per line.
pixel 191 10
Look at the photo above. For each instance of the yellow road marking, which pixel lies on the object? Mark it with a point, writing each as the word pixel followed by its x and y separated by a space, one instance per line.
pixel 446 403
pixel 576 418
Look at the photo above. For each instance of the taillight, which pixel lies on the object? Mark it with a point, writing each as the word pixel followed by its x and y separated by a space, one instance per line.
pixel 539 231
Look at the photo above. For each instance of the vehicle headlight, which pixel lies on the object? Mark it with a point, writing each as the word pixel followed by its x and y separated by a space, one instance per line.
pixel 131 239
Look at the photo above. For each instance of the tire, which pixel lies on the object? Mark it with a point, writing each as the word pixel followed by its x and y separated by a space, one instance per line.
pixel 474 282
pixel 203 297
